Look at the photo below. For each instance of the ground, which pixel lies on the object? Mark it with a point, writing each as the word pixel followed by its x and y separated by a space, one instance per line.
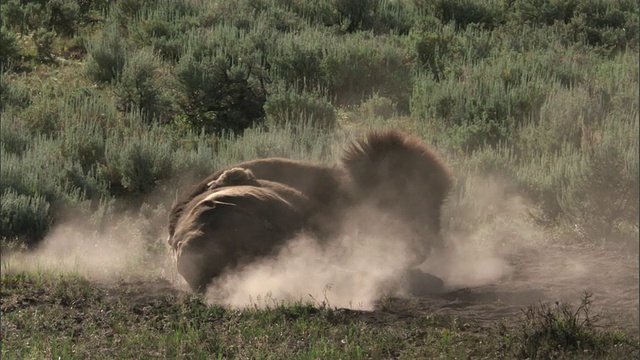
pixel 151 315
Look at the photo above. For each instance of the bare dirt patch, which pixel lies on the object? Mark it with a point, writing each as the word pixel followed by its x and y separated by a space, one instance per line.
pixel 543 274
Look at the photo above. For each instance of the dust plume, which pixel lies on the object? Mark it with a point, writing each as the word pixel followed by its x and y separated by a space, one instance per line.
pixel 371 257
pixel 352 271
pixel 485 225
pixel 121 249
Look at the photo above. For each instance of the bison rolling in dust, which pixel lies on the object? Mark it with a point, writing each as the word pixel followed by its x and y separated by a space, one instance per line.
pixel 251 210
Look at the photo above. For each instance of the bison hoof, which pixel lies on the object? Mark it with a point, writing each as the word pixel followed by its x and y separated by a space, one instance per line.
pixel 421 283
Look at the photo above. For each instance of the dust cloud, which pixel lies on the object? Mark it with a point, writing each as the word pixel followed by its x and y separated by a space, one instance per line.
pixel 485 226
pixel 122 250
pixel 370 259
pixel 352 271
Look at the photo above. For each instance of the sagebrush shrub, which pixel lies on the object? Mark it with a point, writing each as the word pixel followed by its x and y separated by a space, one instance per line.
pixel 14 136
pixel 296 59
pixel 138 88
pixel 558 330
pixel 43 40
pixel 43 117
pixel 291 106
pixel 356 66
pixel 23 216
pixel 217 95
pixel 63 16
pixel 8 47
pixel 107 55
pixel 465 12
pixel 135 163
pixel 12 16
pixel 13 94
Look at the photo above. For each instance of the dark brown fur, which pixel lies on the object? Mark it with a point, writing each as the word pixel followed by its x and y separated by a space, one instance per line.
pixel 318 182
pixel 390 171
pixel 228 226
pixel 401 176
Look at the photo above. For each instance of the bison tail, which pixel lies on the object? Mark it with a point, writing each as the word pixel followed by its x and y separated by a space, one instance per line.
pixel 391 158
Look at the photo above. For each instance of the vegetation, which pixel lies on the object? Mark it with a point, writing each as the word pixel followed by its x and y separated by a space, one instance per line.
pixel 109 106
pixel 126 321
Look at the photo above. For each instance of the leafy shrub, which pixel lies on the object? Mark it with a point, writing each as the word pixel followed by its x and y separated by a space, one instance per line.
pixel 378 106
pixel 296 59
pixel 544 11
pixel 559 123
pixel 87 106
pixel 138 88
pixel 465 12
pixel 218 95
pixel 606 203
pixel 23 216
pixel 63 16
pixel 12 16
pixel 13 94
pixel 309 143
pixel 355 67
pixel 107 55
pixel 83 142
pixel 435 49
pixel 356 13
pixel 35 16
pixel 611 25
pixel 322 13
pixel 135 163
pixel 487 104
pixel 43 170
pixel 42 117
pixel 13 135
pixel 8 47
pixel 290 106
pixel 43 40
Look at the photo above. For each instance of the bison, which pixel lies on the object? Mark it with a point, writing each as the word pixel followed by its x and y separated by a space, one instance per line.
pixel 251 209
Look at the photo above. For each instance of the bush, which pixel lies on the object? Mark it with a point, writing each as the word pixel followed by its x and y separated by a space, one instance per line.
pixel 606 203
pixel 356 13
pixel 217 94
pixel 465 12
pixel 14 136
pixel 107 55
pixel 138 88
pixel 356 66
pixel 13 94
pixel 42 117
pixel 63 16
pixel 378 106
pixel 136 163
pixel 8 48
pixel 551 331
pixel 35 16
pixel 12 16
pixel 435 49
pixel 545 11
pixel 25 217
pixel 83 142
pixel 296 59
pixel 487 104
pixel 291 106
pixel 43 40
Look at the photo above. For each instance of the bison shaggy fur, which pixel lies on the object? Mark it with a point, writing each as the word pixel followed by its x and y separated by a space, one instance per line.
pixel 253 208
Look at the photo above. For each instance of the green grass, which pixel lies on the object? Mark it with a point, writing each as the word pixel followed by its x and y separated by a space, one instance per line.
pixel 47 315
